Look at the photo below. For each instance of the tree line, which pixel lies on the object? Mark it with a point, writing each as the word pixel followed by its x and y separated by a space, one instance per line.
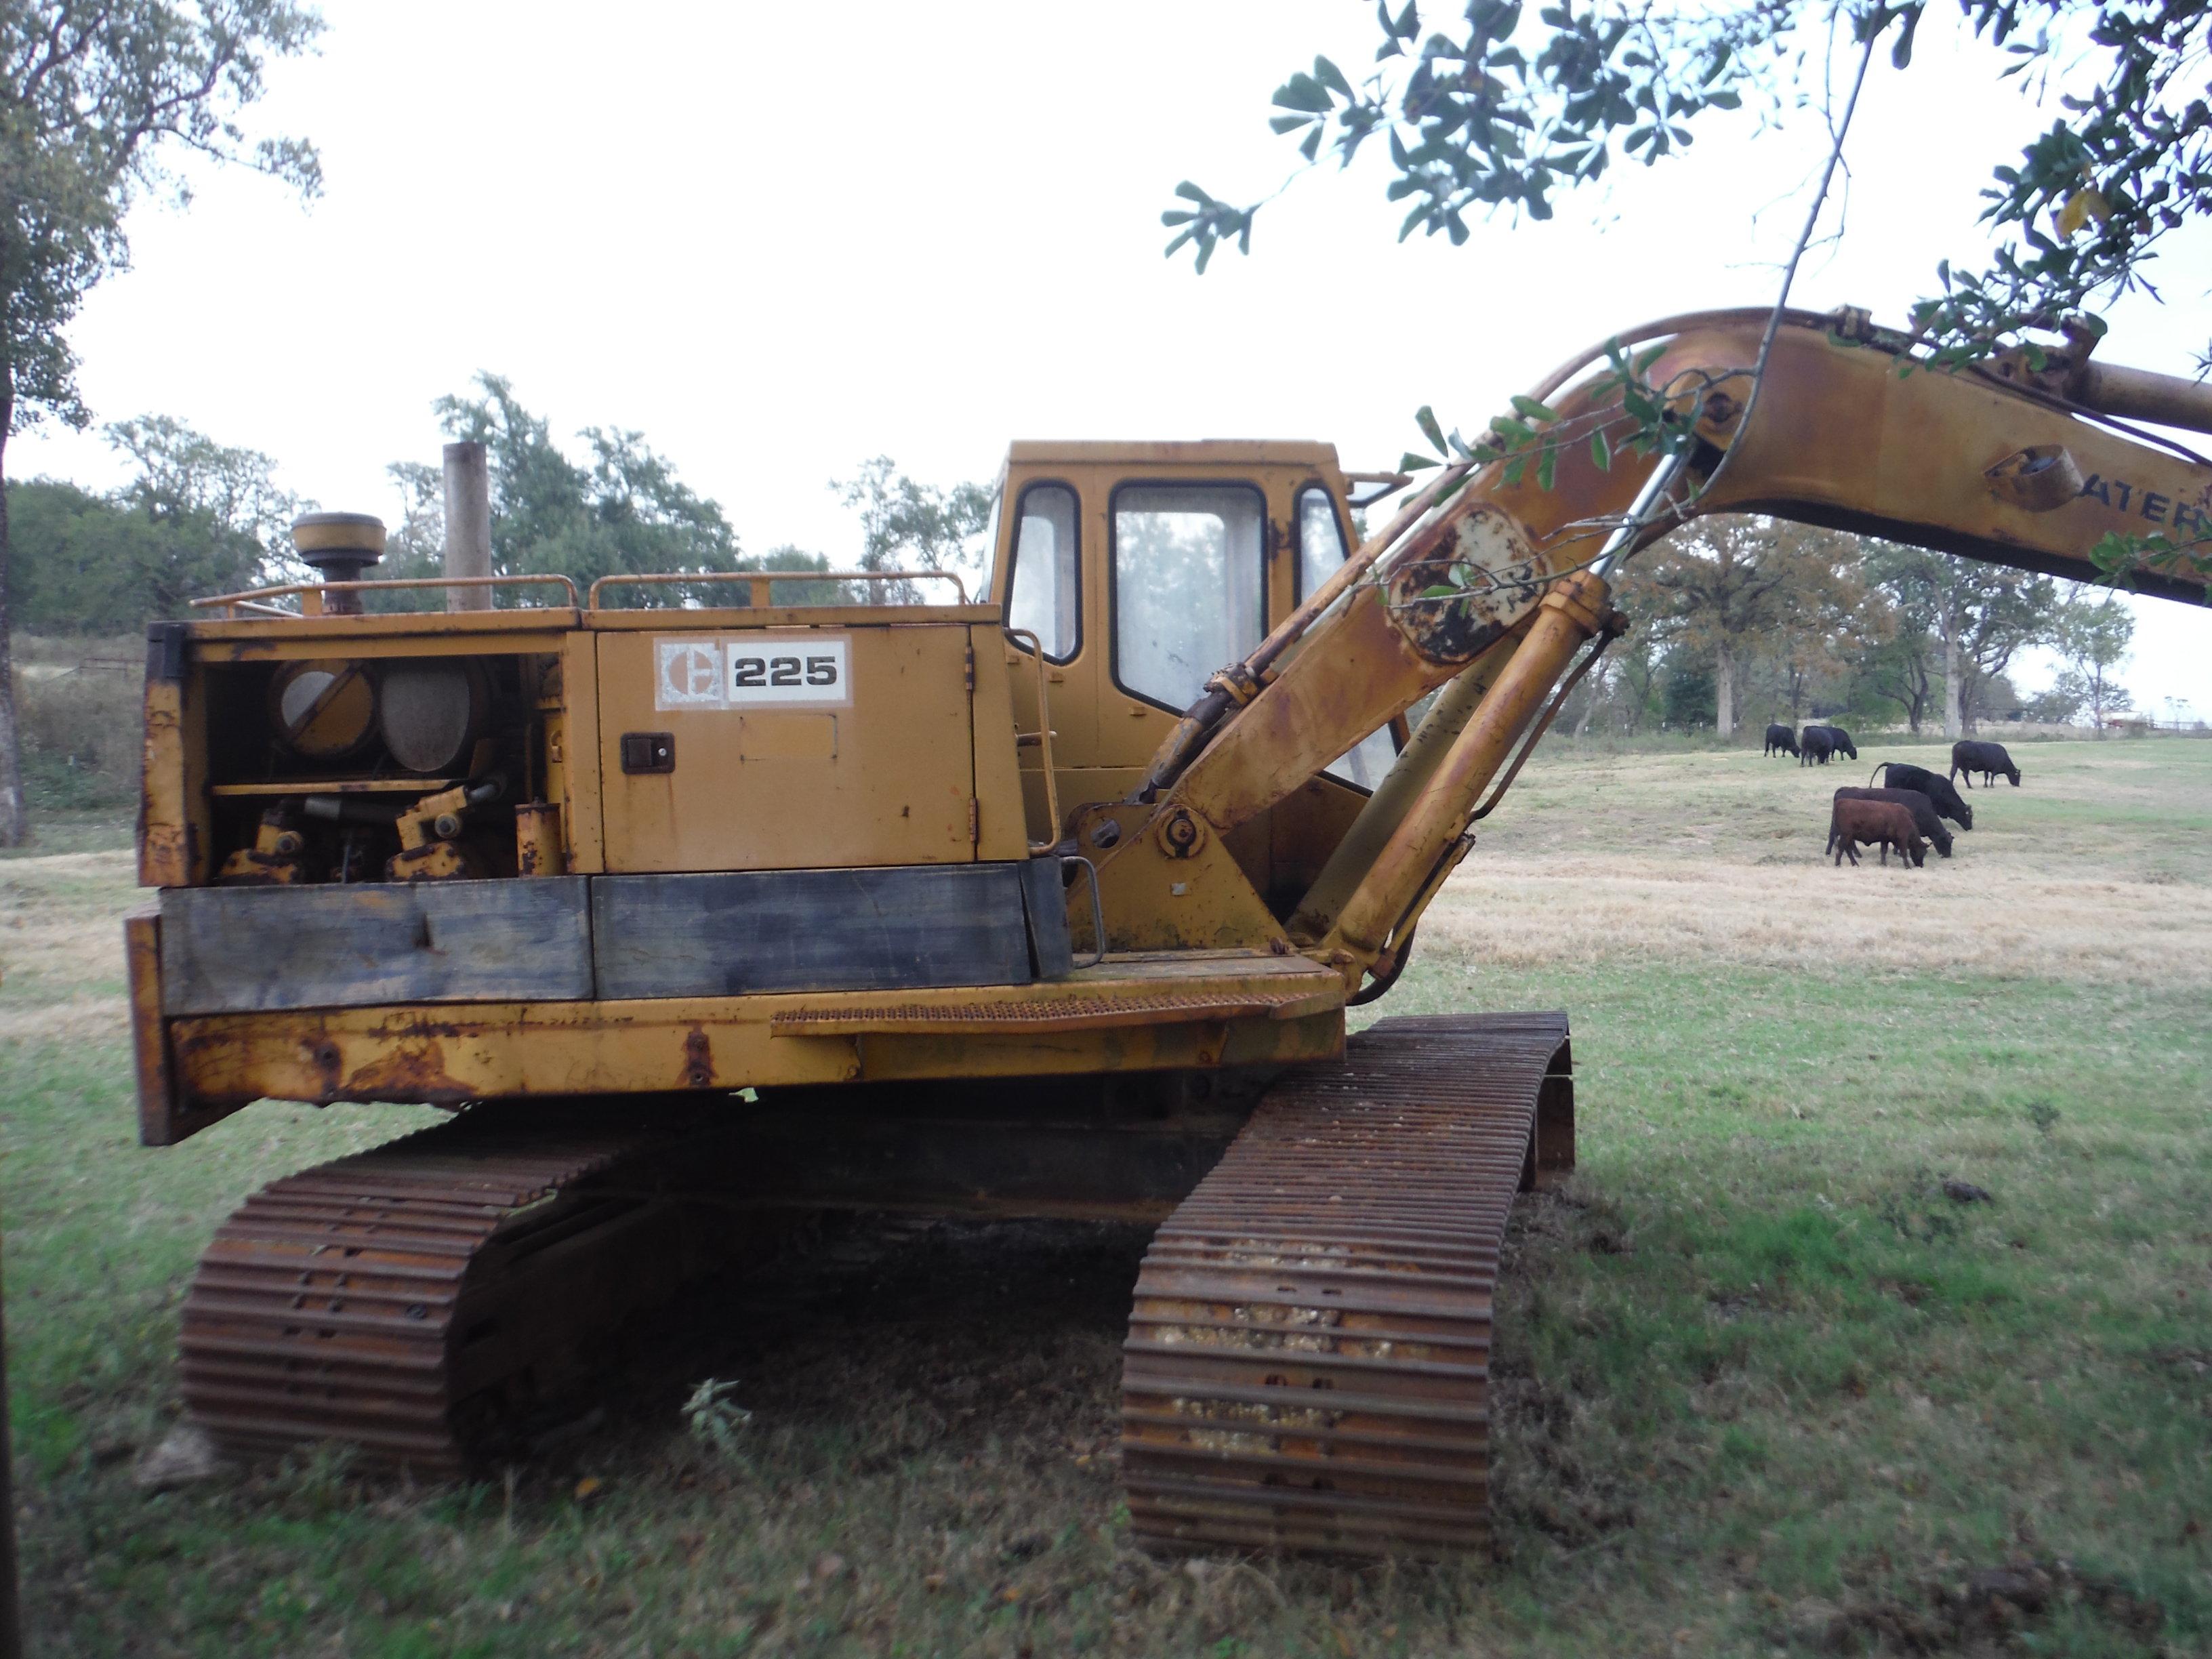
pixel 1743 620
pixel 198 517
pixel 1739 620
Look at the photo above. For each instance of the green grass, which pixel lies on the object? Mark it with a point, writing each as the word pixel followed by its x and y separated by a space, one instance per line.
pixel 1761 1386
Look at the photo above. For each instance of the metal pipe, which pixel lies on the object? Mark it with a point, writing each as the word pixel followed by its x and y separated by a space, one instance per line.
pixel 1570 613
pixel 1619 543
pixel 2137 394
pixel 468 523
pixel 1393 798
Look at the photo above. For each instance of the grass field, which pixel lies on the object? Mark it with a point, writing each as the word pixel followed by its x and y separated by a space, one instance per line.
pixel 1762 1386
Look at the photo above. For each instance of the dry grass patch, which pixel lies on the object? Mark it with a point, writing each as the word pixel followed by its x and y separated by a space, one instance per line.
pixel 1984 919
pixel 61 933
pixel 2077 876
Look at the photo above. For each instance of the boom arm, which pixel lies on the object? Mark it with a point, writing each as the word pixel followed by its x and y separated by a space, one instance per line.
pixel 1842 434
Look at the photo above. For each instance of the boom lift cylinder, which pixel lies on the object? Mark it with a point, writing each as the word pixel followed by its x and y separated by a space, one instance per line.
pixel 1401 787
pixel 1570 614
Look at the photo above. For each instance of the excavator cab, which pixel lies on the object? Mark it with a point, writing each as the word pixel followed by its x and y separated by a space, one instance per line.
pixel 1128 574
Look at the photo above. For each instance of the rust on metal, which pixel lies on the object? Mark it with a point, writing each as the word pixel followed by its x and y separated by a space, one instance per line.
pixel 1308 1357
pixel 1490 581
pixel 698 1059
pixel 1067 1014
pixel 538 839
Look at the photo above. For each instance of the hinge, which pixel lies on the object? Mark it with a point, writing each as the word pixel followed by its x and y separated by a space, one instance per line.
pixel 165 644
pixel 975 821
pixel 971 671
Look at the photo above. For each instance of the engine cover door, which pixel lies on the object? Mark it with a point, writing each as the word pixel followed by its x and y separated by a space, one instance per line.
pixel 786 748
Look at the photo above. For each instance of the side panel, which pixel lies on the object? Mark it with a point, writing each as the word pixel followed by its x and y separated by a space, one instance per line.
pixel 492 1051
pixel 1004 826
pixel 240 950
pixel 882 775
pixel 166 1117
pixel 580 759
pixel 738 933
pixel 175 833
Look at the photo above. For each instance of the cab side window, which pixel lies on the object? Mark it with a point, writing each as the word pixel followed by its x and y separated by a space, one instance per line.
pixel 1320 539
pixel 1048 582
pixel 1189 594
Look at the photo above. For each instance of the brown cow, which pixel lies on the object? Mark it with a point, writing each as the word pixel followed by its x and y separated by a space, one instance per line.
pixel 1856 823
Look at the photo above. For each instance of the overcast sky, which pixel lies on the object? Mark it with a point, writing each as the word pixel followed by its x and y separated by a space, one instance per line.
pixel 781 239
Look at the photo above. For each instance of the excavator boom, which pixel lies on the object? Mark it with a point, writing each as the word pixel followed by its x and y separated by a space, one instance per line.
pixel 1847 431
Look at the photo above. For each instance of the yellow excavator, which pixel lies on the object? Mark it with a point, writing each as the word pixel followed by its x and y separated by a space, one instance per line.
pixel 708 902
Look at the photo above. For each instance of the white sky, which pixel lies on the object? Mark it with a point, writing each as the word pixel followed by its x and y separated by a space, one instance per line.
pixel 781 239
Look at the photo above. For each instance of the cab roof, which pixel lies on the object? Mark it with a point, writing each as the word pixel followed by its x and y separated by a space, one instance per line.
pixel 1229 452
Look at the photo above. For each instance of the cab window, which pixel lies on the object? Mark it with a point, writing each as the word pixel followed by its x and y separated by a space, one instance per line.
pixel 1046 599
pixel 1189 594
pixel 1320 539
pixel 1321 552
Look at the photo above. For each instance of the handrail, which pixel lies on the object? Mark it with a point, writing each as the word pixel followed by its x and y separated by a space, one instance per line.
pixel 256 596
pixel 1043 744
pixel 759 580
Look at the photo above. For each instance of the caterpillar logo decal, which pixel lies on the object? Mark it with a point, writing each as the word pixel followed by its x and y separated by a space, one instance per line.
pixel 756 671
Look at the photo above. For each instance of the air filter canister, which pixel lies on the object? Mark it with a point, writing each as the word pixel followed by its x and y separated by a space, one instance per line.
pixel 431 712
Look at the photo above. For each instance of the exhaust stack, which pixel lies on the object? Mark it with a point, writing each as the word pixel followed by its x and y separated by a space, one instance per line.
pixel 468 523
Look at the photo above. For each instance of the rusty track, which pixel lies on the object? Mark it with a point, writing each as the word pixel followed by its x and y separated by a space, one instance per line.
pixel 1308 1361
pixel 414 1299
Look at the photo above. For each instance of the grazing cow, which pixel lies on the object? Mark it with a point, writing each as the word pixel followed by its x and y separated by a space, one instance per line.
pixel 1840 741
pixel 1968 758
pixel 1780 740
pixel 1923 810
pixel 1813 746
pixel 1856 823
pixel 1938 790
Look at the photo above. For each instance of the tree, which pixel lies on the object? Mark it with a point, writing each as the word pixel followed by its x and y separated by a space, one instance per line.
pixel 1834 621
pixel 1721 578
pixel 199 518
pixel 184 475
pixel 2060 701
pixel 623 513
pixel 1687 694
pixel 2092 635
pixel 1494 109
pixel 909 525
pixel 1977 615
pixel 1898 668
pixel 94 96
pixel 1739 586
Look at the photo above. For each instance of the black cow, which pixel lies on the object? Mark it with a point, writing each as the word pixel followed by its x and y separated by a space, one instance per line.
pixel 1840 741
pixel 1987 759
pixel 1814 747
pixel 1938 790
pixel 1780 740
pixel 1923 811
